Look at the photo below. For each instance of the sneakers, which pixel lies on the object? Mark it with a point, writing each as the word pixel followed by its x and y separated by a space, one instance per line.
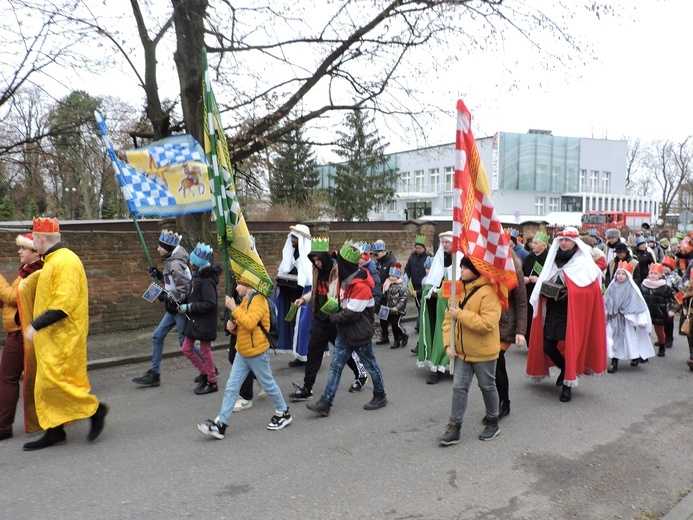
pixel 242 404
pixel 322 407
pixel 213 428
pixel 206 388
pixel 148 379
pixel 201 381
pixel 358 383
pixel 491 431
pixel 203 377
pixel 301 394
pixel 261 394
pixel 280 420
pixel 451 435
pixel 378 401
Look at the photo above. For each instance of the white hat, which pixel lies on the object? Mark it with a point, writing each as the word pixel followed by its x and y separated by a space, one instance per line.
pixel 301 229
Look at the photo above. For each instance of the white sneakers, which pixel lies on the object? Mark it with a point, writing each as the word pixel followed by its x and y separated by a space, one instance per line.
pixel 242 404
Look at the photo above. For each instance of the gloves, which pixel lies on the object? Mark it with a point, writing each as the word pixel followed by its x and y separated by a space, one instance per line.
pixel 183 308
pixel 155 273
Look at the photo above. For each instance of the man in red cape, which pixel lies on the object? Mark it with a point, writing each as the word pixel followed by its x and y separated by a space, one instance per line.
pixel 575 318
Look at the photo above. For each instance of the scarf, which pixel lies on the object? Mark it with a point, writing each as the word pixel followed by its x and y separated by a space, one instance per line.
pixel 653 284
pixel 27 269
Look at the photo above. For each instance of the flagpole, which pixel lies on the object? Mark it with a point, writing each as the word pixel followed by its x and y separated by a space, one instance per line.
pixel 453 299
pixel 142 241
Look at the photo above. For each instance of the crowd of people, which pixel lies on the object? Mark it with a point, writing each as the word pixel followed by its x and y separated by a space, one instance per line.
pixel 581 304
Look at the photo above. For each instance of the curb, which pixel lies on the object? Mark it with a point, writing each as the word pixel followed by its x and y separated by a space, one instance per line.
pixel 682 511
pixel 141 358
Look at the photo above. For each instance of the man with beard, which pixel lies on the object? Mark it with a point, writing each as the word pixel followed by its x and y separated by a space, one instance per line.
pixel 322 330
pixel 532 267
pixel 570 309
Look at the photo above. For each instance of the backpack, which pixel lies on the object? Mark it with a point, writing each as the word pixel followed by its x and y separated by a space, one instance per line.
pixel 272 334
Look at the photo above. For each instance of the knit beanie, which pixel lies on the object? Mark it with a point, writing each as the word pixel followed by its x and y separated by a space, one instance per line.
pixel 467 262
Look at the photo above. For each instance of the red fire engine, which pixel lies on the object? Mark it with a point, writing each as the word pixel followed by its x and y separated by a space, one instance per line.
pixel 603 220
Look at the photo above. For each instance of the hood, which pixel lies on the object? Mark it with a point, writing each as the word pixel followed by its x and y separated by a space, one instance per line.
pixel 179 253
pixel 211 271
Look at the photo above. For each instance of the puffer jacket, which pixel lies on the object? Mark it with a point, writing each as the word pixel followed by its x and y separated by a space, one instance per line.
pixel 250 340
pixel 202 305
pixel 177 277
pixel 514 320
pixel 354 320
pixel 660 301
pixel 397 294
pixel 477 337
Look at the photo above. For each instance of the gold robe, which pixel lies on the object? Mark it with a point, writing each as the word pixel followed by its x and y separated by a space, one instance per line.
pixel 62 391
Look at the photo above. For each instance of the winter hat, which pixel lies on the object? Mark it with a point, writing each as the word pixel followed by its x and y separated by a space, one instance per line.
pixel 396 270
pixel 169 240
pixel 467 262
pixel 378 245
pixel 26 240
pixel 621 248
pixel 201 255
pixel 593 232
pixel 640 240
pixel 651 239
pixel 612 233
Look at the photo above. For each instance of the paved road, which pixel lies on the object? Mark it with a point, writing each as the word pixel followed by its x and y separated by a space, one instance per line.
pixel 621 449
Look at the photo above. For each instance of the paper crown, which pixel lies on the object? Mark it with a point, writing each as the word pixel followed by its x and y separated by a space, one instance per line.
pixel 169 238
pixel 320 245
pixel 364 247
pixel 679 235
pixel 664 242
pixel 540 236
pixel 651 239
pixel 626 266
pixel 669 262
pixel 350 252
pixel 656 268
pixel 201 255
pixel 396 270
pixel 428 262
pixel 570 232
pixel 378 245
pixel 420 240
pixel 46 225
pixel 514 232
pixel 26 240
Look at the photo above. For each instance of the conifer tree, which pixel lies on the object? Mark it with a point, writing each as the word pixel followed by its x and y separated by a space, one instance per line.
pixel 365 178
pixel 295 171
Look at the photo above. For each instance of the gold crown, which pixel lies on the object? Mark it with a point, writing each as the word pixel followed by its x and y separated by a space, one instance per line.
pixel 320 245
pixel 46 225
pixel 350 252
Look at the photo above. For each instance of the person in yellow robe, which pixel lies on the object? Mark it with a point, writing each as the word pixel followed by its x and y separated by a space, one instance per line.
pixel 59 333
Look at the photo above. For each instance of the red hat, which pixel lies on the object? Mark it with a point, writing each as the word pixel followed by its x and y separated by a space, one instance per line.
pixel 569 232
pixel 26 240
pixel 669 262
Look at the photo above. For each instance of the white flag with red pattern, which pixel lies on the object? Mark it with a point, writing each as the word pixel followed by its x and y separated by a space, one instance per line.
pixel 476 230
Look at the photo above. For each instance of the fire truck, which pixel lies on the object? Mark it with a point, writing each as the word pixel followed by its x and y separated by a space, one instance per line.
pixel 603 220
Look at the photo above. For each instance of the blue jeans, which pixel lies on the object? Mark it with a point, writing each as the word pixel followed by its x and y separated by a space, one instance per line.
pixel 165 325
pixel 242 366
pixel 464 373
pixel 340 357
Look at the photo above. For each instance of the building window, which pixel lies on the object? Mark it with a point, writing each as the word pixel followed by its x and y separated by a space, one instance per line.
pixel 554 203
pixel 434 180
pixel 618 204
pixel 448 203
pixel 392 205
pixel 449 178
pixel 539 205
pixel 606 182
pixel 405 182
pixel 418 209
pixel 418 180
pixel 594 178
pixel 583 181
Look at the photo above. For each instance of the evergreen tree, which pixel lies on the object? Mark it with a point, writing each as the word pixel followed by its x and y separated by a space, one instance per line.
pixel 364 179
pixel 295 172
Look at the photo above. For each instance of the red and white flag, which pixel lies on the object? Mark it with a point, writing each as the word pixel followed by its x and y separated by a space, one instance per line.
pixel 476 230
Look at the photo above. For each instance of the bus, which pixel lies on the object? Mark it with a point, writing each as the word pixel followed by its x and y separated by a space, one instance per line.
pixel 603 220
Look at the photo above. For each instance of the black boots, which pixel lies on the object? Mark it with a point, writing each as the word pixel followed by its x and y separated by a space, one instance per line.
pixel 613 367
pixel 322 407
pixel 52 437
pixel 566 394
pixel 662 350
pixel 97 422
pixel 559 381
pixel 379 400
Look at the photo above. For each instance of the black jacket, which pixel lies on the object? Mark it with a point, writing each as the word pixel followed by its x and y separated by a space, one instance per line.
pixel 660 301
pixel 202 309
pixel 384 264
pixel 415 269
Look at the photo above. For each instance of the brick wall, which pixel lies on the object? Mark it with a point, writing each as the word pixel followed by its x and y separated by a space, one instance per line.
pixel 116 265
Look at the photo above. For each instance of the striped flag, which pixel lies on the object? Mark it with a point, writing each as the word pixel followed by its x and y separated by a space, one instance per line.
pixel 477 232
pixel 165 178
pixel 232 231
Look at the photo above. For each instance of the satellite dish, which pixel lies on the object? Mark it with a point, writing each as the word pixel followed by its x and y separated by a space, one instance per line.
pixel 685 217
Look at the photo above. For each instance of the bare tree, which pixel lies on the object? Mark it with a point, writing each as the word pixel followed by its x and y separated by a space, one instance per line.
pixel 670 166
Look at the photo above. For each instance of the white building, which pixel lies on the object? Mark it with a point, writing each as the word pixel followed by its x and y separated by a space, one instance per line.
pixel 531 175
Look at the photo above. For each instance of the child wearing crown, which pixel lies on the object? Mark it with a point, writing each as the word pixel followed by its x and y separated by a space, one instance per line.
pixel 201 312
pixel 660 301
pixel 628 322
pixel 397 293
